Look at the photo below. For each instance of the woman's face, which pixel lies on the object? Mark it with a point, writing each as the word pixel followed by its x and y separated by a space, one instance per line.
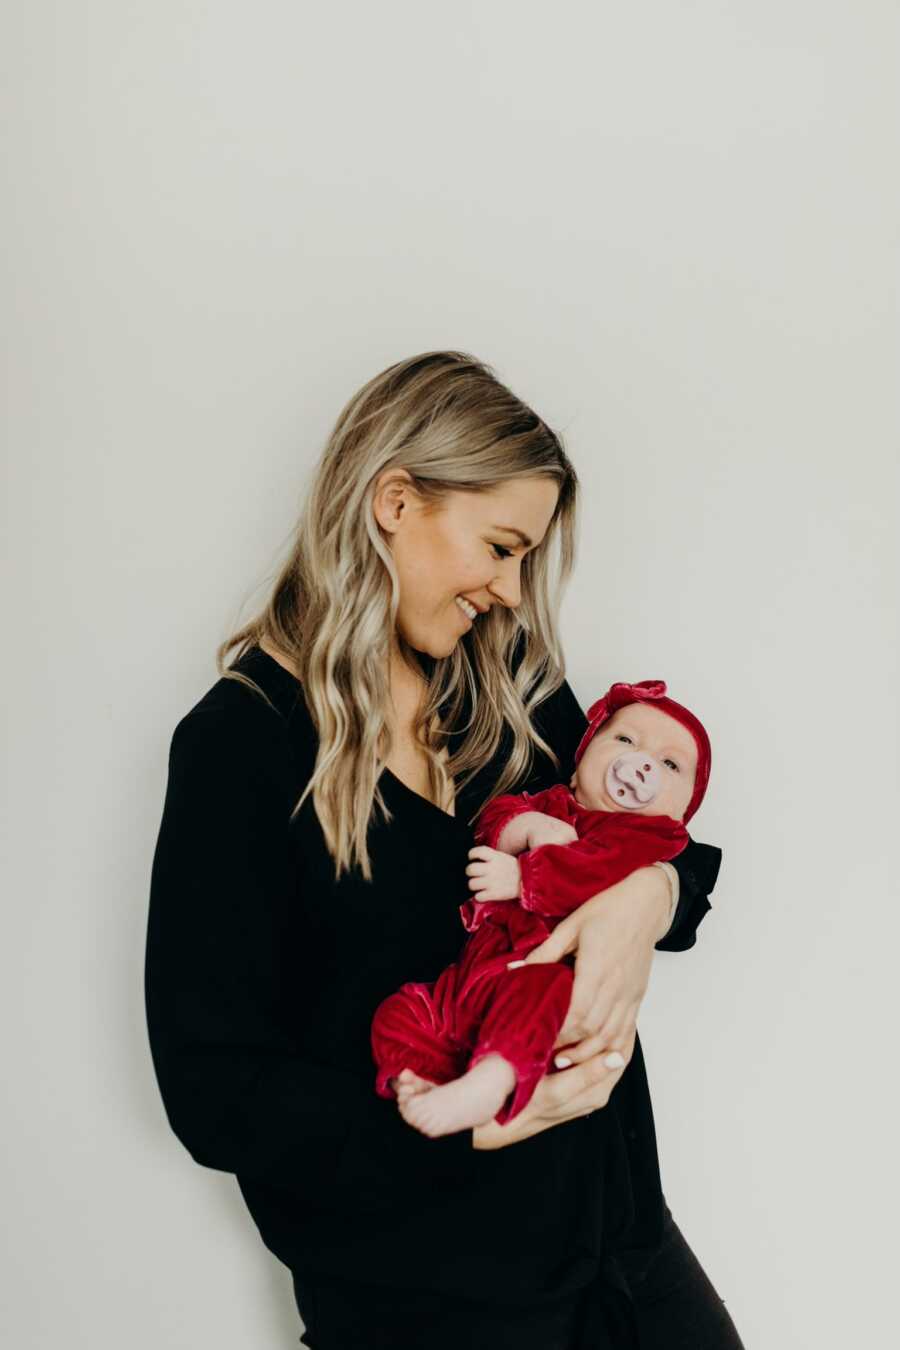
pixel 468 547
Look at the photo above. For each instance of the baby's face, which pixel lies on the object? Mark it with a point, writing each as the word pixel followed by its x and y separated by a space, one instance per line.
pixel 643 760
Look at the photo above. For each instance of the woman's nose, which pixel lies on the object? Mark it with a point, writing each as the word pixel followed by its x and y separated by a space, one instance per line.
pixel 507 590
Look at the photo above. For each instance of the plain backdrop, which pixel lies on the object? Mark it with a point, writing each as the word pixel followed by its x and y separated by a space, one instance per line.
pixel 670 227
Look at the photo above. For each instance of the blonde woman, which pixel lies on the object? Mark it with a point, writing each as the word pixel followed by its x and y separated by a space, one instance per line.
pixel 313 854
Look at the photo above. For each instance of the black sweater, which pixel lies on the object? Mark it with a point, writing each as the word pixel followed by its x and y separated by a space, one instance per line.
pixel 261 979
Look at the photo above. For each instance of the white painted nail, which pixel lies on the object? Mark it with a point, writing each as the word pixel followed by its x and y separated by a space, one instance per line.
pixel 614 1061
pixel 561 1062
pixel 511 965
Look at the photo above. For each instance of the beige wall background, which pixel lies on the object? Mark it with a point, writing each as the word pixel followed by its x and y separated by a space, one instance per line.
pixel 673 229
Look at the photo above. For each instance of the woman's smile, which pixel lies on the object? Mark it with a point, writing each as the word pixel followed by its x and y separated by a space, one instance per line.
pixel 467 609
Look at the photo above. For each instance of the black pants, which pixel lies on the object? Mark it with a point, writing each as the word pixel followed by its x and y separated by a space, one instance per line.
pixel 675 1308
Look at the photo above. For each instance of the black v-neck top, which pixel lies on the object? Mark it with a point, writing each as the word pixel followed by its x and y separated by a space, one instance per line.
pixel 261 979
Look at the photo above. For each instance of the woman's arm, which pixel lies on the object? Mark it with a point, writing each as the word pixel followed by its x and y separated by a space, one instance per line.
pixel 697 867
pixel 238 1092
pixel 612 936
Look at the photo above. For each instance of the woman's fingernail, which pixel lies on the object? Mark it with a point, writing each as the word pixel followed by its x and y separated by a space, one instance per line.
pixel 510 965
pixel 561 1062
pixel 614 1061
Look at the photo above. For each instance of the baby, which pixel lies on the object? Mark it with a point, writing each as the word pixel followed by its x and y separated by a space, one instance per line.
pixel 472 1045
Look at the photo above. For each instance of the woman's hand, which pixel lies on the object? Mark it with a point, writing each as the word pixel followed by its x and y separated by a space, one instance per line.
pixel 613 935
pixel 559 1096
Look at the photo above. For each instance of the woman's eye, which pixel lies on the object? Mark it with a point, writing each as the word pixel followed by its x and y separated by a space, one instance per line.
pixel 622 737
pixel 674 765
pixel 504 552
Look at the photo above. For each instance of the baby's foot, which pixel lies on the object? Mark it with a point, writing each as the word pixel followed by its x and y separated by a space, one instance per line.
pixel 471 1100
pixel 409 1083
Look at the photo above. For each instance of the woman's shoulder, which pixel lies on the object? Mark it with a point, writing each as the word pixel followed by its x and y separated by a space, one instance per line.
pixel 237 723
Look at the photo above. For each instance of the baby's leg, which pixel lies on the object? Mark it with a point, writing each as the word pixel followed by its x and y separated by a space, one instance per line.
pixel 410 1031
pixel 471 1100
pixel 510 1019
pixel 528 1006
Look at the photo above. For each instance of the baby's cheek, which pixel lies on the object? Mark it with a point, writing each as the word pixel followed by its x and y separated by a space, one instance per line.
pixel 677 797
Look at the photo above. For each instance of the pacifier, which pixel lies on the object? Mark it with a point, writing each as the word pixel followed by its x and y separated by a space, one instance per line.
pixel 633 779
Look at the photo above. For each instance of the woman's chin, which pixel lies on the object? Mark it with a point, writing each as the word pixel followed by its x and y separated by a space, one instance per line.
pixel 435 648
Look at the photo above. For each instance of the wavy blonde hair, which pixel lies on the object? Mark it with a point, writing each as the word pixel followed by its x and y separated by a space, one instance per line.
pixel 447 420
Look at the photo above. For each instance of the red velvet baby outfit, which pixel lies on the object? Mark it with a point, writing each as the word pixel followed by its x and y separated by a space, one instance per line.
pixel 477 1006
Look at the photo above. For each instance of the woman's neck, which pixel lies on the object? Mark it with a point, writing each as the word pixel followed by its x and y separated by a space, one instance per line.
pixel 277 655
pixel 408 690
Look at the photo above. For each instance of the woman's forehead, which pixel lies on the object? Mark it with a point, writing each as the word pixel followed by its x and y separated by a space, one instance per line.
pixel 522 505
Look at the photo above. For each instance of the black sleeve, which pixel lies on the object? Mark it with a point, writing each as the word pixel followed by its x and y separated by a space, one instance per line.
pixel 563 723
pixel 237 1092
pixel 697 867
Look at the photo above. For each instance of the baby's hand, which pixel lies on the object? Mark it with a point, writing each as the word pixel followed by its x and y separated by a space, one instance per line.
pixel 494 875
pixel 544 829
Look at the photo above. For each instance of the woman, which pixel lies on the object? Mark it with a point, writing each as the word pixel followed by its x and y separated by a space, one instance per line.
pixel 312 856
